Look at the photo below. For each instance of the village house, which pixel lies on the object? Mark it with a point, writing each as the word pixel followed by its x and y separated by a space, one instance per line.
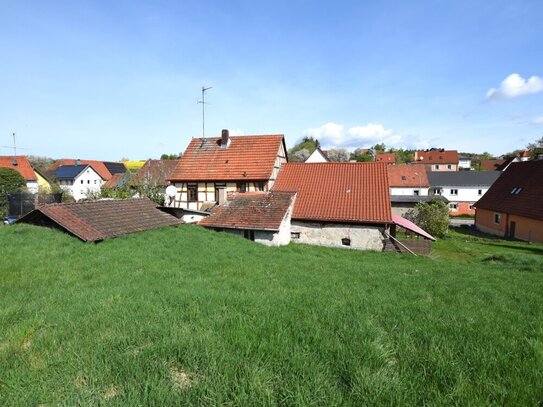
pixel 106 169
pixel 464 163
pixel 513 206
pixel 338 204
pixel 408 186
pixel 462 188
pixel 78 180
pixel 437 159
pixel 387 158
pixel 318 156
pixel 210 168
pixel 263 217
pixel 33 179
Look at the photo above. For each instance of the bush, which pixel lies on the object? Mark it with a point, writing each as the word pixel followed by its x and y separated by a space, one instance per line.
pixel 10 181
pixel 431 216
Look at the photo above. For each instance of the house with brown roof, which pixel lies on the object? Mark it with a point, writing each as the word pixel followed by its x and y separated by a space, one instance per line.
pixel 210 168
pixel 21 164
pixel 263 217
pixel 387 158
pixel 437 159
pixel 338 204
pixel 513 206
pixel 408 186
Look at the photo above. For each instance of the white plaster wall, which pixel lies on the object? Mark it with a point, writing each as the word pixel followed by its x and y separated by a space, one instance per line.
pixel 192 217
pixel 325 234
pixel 423 191
pixel 316 157
pixel 32 186
pixel 465 193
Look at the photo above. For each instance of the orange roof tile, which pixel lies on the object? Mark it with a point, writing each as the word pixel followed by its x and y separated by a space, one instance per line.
pixel 406 175
pixel 436 156
pixel 338 192
pixel 256 211
pixel 385 157
pixel 23 166
pixel 245 158
pixel 97 166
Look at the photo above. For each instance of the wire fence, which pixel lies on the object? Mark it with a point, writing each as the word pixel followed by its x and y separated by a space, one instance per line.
pixel 20 203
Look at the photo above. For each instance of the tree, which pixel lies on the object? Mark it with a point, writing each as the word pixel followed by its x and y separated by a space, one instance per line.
pixel 301 155
pixel 308 143
pixel 39 162
pixel 535 148
pixel 170 156
pixel 361 155
pixel 10 181
pixel 338 155
pixel 379 148
pixel 431 216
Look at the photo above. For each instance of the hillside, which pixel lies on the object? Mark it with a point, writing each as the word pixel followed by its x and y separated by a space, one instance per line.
pixel 192 317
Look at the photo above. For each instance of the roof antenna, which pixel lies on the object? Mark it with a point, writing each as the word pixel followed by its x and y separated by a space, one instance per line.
pixel 203 102
pixel 14 149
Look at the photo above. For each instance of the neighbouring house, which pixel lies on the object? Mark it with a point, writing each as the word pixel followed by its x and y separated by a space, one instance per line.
pixel 437 159
pixel 494 165
pixel 79 180
pixel 338 204
pixel 263 217
pixel 210 168
pixel 21 164
pixel 524 155
pixel 154 174
pixel 513 206
pixel 408 186
pixel 106 169
pixel 464 163
pixel 318 156
pixel 462 188
pixel 98 220
pixel 117 181
pixel 387 158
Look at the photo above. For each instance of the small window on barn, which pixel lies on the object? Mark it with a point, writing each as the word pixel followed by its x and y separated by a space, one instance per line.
pixel 241 187
pixel 260 186
pixel 294 235
pixel 497 218
pixel 192 192
pixel 346 241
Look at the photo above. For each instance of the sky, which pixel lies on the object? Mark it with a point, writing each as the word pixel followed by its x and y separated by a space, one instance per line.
pixel 121 79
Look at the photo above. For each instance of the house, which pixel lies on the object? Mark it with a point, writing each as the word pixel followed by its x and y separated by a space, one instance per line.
pixel 263 217
pixel 464 163
pixel 210 168
pixel 438 159
pixel 79 180
pixel 494 165
pixel 513 206
pixel 154 173
pixel 106 169
pixel 318 156
pixel 388 158
pixel 462 188
pixel 98 220
pixel 21 164
pixel 408 185
pixel 338 204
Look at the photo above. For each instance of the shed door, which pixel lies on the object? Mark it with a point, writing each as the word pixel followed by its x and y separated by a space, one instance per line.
pixel 512 226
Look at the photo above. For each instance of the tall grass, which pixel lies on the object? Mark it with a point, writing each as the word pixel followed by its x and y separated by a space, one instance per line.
pixel 191 317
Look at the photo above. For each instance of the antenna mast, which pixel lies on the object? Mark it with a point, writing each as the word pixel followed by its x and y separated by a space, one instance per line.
pixel 203 102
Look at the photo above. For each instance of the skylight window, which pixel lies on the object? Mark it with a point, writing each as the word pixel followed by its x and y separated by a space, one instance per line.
pixel 516 191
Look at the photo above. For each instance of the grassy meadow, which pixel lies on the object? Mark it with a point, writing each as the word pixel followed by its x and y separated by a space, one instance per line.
pixel 186 316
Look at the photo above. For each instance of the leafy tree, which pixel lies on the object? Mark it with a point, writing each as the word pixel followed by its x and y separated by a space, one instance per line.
pixel 10 181
pixel 170 156
pixel 338 155
pixel 361 155
pixel 379 148
pixel 40 163
pixel 431 216
pixel 535 148
pixel 308 143
pixel 301 155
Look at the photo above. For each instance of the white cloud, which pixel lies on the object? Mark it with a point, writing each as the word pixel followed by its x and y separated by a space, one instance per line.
pixel 514 86
pixel 336 135
pixel 537 120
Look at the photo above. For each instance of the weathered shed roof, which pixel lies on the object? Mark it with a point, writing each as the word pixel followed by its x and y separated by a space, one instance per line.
pixel 256 211
pixel 94 221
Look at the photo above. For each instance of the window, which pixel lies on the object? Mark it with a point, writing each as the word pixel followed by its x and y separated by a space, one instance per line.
pixel 94 182
pixel 497 218
pixel 449 166
pixel 516 191
pixel 470 207
pixel 416 192
pixel 437 191
pixel 346 241
pixel 192 192
pixel 241 187
pixel 404 178
pixel 453 206
pixel 81 181
pixel 454 191
pixel 480 192
pixel 436 166
pixel 88 181
pixel 260 186
pixel 294 235
pixel 249 234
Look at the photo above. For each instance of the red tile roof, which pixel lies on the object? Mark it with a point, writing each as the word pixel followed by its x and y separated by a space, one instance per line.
pixel 23 166
pixel 338 192
pixel 97 166
pixel 245 158
pixel 93 221
pixel 256 211
pixel 113 181
pixel 492 165
pixel 528 202
pixel 436 156
pixel 406 175
pixel 154 172
pixel 386 157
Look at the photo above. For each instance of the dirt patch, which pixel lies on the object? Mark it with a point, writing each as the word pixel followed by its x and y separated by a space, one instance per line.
pixel 180 380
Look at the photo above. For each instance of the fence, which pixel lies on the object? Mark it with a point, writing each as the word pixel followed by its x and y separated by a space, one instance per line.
pixel 418 246
pixel 20 203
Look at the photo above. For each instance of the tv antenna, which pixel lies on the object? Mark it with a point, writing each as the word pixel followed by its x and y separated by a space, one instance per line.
pixel 14 147
pixel 203 102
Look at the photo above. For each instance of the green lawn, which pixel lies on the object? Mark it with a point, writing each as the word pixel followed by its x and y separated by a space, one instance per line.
pixel 192 317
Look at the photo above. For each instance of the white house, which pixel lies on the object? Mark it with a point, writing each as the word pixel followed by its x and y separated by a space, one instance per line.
pixel 318 156
pixel 464 163
pixel 79 180
pixel 462 189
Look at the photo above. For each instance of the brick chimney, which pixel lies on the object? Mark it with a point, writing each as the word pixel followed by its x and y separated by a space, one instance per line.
pixel 225 138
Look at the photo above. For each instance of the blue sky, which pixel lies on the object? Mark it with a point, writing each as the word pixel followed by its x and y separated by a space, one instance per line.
pixel 106 80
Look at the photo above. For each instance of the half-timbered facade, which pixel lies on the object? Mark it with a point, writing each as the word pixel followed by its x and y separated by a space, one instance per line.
pixel 211 168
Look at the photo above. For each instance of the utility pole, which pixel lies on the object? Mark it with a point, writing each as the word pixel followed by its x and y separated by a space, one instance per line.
pixel 203 102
